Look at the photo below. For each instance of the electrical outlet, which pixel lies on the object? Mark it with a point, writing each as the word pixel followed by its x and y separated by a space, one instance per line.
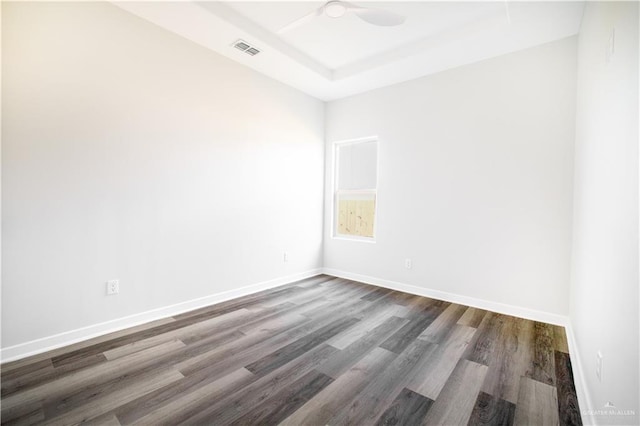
pixel 408 263
pixel 611 46
pixel 599 359
pixel 113 287
pixel 285 256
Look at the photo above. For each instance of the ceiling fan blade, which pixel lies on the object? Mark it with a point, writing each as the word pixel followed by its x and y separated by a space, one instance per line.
pixel 379 17
pixel 301 21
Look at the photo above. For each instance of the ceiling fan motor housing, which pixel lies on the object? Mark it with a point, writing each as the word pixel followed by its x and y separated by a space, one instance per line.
pixel 335 9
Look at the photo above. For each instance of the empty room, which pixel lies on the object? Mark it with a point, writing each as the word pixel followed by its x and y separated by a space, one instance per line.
pixel 320 213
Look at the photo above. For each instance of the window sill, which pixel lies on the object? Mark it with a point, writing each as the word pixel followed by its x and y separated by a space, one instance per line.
pixel 356 239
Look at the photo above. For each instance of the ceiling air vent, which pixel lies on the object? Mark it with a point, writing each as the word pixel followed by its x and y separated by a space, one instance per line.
pixel 246 47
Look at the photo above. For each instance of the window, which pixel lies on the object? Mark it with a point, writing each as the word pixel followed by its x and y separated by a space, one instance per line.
pixel 356 168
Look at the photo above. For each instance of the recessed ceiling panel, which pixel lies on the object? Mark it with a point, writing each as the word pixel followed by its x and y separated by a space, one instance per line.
pixel 336 42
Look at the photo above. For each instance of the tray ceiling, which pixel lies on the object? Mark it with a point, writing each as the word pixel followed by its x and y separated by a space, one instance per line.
pixel 331 58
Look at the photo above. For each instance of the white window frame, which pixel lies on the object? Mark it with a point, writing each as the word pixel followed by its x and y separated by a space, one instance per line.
pixel 337 192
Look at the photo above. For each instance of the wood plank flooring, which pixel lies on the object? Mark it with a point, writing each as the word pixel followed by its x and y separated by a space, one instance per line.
pixel 316 352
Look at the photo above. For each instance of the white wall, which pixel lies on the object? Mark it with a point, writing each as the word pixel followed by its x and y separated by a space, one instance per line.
pixel 604 289
pixel 475 179
pixel 131 153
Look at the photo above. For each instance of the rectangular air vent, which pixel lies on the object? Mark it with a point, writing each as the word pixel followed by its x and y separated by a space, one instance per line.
pixel 246 47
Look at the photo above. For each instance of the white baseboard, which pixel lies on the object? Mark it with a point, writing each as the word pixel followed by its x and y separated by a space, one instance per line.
pixel 584 400
pixel 55 341
pixel 500 308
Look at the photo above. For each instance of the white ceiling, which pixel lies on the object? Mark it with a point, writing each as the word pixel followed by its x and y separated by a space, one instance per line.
pixel 333 58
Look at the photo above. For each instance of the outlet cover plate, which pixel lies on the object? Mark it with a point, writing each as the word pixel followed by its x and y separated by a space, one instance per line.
pixel 599 358
pixel 113 287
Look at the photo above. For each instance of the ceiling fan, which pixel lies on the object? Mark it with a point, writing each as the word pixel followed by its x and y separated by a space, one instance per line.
pixel 337 8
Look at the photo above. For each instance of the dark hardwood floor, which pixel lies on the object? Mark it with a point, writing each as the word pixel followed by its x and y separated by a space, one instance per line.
pixel 316 352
